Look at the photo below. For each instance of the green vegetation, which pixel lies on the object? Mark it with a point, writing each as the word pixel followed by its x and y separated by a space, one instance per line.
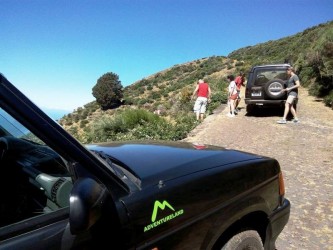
pixel 137 124
pixel 108 91
pixel 159 108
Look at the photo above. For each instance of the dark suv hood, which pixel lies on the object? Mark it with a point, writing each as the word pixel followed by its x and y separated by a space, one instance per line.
pixel 152 161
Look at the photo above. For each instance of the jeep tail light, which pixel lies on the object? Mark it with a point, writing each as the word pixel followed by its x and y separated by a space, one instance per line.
pixel 281 185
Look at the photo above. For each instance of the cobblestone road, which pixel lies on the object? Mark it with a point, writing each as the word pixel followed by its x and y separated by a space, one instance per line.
pixel 305 153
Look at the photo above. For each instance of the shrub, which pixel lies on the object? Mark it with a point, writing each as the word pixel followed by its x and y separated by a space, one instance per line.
pixel 138 124
pixel 108 91
pixel 328 100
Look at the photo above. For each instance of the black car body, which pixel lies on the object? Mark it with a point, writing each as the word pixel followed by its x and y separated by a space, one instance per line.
pixel 59 194
pixel 264 86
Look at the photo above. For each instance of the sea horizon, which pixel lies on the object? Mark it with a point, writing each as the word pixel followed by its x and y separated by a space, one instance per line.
pixel 56 114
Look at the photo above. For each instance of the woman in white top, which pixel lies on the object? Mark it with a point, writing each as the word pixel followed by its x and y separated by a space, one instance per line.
pixel 232 95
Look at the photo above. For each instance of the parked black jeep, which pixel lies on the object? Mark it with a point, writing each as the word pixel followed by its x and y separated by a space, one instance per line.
pixel 264 87
pixel 59 194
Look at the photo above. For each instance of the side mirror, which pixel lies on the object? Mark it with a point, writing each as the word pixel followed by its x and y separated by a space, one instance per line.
pixel 85 204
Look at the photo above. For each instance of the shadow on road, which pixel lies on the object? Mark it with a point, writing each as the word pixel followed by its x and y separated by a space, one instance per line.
pixel 266 112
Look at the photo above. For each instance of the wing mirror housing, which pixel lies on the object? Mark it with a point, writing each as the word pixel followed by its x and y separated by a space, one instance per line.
pixel 85 204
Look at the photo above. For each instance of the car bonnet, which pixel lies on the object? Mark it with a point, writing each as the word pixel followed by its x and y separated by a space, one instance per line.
pixel 154 161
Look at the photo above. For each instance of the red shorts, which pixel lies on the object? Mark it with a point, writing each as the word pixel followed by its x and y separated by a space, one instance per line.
pixel 233 97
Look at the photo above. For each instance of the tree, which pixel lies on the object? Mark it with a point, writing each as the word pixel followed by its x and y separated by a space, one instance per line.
pixel 108 91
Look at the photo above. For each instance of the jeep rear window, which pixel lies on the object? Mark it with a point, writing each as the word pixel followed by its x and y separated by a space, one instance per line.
pixel 264 75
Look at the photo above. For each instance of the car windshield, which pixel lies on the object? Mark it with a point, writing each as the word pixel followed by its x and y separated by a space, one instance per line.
pixel 11 127
pixel 38 177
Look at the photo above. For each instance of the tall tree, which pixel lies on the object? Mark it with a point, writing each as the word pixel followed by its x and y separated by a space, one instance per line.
pixel 108 91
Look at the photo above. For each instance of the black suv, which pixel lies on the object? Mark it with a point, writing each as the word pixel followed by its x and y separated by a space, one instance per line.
pixel 264 86
pixel 57 193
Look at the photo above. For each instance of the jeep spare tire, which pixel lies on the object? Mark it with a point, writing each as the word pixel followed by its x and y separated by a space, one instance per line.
pixel 273 89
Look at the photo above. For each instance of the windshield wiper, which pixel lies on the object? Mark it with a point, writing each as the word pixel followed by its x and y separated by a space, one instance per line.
pixel 115 169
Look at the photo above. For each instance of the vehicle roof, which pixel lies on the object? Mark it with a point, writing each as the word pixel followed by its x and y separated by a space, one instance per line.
pixel 272 65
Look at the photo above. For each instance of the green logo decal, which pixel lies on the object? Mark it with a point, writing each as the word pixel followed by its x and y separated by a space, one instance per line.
pixel 161 206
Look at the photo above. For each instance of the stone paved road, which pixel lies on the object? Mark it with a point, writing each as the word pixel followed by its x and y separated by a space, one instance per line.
pixel 305 153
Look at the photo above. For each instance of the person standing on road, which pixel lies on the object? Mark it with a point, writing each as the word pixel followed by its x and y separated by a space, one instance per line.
pixel 293 84
pixel 232 95
pixel 203 93
pixel 239 80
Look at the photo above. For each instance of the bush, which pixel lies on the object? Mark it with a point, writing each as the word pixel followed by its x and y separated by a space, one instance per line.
pixel 139 124
pixel 83 123
pixel 328 100
pixel 108 91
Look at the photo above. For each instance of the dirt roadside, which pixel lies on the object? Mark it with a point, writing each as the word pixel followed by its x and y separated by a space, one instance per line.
pixel 305 153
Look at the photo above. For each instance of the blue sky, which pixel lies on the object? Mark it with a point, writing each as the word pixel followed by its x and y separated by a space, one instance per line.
pixel 55 51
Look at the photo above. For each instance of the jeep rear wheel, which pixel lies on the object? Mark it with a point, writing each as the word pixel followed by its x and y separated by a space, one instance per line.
pixel 245 240
pixel 273 89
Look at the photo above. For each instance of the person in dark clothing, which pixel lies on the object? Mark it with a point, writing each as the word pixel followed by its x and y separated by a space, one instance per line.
pixel 293 84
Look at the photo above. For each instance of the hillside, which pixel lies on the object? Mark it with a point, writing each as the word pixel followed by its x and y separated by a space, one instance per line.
pixel 169 91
